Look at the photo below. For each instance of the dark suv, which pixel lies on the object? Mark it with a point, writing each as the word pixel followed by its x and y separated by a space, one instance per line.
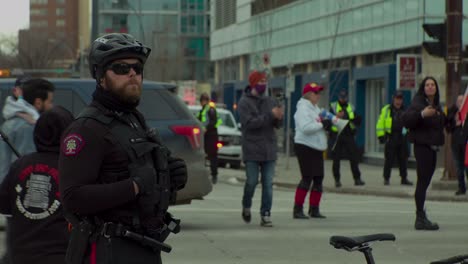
pixel 163 110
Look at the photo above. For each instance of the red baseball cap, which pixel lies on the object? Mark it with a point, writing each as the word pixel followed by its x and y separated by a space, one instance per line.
pixel 312 87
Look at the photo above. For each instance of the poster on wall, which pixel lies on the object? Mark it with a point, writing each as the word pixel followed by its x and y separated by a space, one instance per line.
pixel 406 71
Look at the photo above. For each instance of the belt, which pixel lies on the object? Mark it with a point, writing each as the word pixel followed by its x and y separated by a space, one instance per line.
pixel 434 147
pixel 110 229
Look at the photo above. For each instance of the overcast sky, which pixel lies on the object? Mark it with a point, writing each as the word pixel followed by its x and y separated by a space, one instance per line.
pixel 14 15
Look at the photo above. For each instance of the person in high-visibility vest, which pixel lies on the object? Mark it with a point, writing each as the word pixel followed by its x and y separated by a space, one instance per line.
pixel 345 146
pixel 391 132
pixel 210 120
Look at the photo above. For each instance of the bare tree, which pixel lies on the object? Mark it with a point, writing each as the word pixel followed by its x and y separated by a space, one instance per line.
pixel 39 51
pixel 8 49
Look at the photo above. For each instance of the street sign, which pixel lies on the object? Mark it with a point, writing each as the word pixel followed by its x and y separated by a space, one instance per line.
pixel 406 71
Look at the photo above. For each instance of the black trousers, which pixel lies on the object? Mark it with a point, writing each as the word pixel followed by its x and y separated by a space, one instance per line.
pixel 396 148
pixel 311 165
pixel 211 151
pixel 346 148
pixel 426 159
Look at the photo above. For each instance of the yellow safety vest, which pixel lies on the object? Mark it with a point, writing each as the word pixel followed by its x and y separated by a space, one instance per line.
pixel 384 124
pixel 349 109
pixel 202 115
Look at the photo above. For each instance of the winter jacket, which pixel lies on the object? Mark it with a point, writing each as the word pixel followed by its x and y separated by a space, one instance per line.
pixel 30 194
pixel 18 130
pixel 427 130
pixel 258 127
pixel 309 128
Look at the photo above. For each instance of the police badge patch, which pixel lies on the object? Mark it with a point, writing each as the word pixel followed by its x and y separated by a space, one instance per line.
pixel 72 145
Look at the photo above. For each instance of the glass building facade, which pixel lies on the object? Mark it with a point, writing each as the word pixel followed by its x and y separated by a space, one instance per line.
pixel 176 30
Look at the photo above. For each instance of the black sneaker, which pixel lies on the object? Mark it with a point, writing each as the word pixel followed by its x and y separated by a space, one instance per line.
pixel 359 182
pixel 246 215
pixel 460 192
pixel 214 179
pixel 266 221
pixel 386 182
pixel 338 184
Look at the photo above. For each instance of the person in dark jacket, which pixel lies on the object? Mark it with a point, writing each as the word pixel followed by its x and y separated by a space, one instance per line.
pixel 210 120
pixel 116 176
pixel 425 121
pixel 392 133
pixel 30 194
pixel 259 116
pixel 458 143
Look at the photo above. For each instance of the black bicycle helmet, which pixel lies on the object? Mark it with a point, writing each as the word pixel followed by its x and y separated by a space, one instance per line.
pixel 114 46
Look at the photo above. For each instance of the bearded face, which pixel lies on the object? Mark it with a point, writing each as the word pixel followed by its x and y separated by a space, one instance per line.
pixel 124 79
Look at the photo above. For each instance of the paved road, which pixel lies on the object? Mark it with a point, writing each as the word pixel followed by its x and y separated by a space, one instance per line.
pixel 213 231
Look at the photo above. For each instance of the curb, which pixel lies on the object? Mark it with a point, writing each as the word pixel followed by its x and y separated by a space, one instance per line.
pixel 363 191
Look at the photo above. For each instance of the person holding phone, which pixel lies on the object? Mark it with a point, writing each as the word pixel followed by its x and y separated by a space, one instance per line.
pixel 425 121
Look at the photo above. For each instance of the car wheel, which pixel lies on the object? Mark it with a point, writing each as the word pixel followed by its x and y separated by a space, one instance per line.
pixel 221 164
pixel 235 165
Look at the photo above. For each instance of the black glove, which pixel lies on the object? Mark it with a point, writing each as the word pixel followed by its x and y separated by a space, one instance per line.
pixel 382 139
pixel 327 124
pixel 357 120
pixel 145 178
pixel 177 172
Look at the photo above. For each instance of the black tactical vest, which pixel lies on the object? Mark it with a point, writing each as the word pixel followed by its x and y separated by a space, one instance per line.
pixel 143 149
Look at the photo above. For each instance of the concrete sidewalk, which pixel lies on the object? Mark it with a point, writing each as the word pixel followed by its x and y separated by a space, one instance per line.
pixel 287 175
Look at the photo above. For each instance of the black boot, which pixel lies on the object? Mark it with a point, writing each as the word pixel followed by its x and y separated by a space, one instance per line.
pixel 314 212
pixel 298 212
pixel 422 223
pixel 405 181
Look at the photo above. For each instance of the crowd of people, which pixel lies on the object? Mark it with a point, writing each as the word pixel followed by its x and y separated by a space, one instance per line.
pixel 318 130
pixel 96 188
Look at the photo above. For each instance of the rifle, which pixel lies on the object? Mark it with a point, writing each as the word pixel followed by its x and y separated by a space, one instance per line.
pixel 7 141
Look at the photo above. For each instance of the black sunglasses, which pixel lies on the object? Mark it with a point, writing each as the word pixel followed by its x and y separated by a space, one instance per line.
pixel 124 68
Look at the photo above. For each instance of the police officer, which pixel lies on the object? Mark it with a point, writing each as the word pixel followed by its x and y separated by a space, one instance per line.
pixel 344 145
pixel 116 178
pixel 210 119
pixel 391 132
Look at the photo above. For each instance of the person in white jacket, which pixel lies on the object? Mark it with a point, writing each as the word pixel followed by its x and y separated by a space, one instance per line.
pixel 310 141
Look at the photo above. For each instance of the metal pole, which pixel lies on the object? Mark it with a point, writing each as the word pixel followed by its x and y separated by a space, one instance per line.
pixel 288 117
pixel 454 11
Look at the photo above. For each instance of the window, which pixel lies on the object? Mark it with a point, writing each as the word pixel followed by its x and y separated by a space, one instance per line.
pixel 261 6
pixel 60 2
pixel 39 23
pixel 157 105
pixel 39 2
pixel 60 22
pixel 225 12
pixel 60 11
pixel 38 12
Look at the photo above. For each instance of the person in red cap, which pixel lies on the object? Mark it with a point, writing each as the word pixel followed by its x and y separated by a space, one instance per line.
pixel 259 116
pixel 310 141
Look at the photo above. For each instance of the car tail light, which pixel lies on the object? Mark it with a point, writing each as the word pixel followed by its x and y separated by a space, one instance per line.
pixel 219 145
pixel 193 134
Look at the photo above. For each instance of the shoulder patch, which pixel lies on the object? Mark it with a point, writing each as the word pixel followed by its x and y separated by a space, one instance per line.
pixel 72 144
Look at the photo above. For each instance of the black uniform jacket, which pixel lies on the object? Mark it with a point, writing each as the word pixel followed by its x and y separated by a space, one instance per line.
pixel 94 176
pixel 428 130
pixel 30 194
